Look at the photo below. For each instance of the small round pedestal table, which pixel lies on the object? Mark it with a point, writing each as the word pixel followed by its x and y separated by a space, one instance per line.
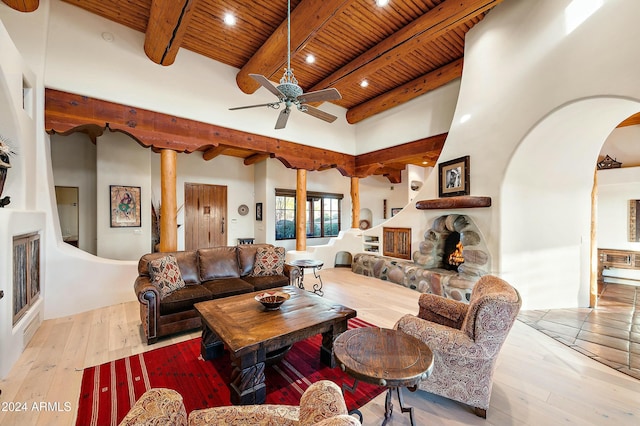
pixel 383 357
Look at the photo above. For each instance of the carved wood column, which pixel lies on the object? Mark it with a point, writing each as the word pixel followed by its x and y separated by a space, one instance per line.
pixel 593 264
pixel 169 206
pixel 355 202
pixel 301 210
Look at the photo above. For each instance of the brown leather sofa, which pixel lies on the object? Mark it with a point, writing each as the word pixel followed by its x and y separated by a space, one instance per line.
pixel 209 273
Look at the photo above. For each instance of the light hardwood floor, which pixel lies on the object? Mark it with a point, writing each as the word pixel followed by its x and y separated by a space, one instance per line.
pixel 538 381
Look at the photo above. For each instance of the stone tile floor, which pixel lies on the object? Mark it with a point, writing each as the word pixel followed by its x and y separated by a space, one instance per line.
pixel 609 333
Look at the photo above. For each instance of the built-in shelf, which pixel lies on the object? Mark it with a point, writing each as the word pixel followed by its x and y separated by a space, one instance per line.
pixel 460 202
pixel 371 244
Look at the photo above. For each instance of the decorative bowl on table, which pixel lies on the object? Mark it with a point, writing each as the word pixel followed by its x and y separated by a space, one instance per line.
pixel 271 300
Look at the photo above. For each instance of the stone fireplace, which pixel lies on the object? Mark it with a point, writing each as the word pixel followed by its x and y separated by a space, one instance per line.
pixel 441 275
pixel 450 259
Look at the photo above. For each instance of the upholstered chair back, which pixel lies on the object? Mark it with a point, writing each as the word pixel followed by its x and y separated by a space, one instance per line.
pixel 493 309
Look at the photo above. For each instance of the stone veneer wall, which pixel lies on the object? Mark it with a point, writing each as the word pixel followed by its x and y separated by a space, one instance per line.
pixel 425 274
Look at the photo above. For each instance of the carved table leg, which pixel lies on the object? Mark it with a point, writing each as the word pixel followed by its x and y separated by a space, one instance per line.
pixel 211 346
pixel 317 289
pixel 247 379
pixel 326 349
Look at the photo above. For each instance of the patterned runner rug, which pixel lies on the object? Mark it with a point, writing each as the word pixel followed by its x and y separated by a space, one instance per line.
pixel 109 390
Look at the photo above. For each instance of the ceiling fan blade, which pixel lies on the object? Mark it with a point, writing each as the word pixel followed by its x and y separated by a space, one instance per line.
pixel 264 82
pixel 317 113
pixel 271 104
pixel 282 118
pixel 330 94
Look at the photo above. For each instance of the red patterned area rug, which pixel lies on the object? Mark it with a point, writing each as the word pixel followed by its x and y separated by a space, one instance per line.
pixel 109 390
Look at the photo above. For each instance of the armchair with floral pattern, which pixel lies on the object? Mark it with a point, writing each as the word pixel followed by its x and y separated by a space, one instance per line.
pixel 465 339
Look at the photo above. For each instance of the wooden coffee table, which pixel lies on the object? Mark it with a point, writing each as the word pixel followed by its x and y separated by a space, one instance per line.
pixel 252 335
pixel 384 357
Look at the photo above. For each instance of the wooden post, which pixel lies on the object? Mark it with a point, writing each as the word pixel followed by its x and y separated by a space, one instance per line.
pixel 301 210
pixel 169 206
pixel 593 264
pixel 355 202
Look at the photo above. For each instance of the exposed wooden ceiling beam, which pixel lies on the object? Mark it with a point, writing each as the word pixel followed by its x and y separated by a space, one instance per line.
pixel 168 23
pixel 427 28
pixel 429 147
pixel 307 20
pixel 212 153
pixel 22 5
pixel 631 121
pixel 255 158
pixel 65 112
pixel 406 92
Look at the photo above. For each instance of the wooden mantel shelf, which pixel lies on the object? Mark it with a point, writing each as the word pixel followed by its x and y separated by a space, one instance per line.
pixel 461 202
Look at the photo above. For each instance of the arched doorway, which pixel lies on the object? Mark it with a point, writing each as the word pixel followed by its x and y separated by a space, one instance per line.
pixel 545 240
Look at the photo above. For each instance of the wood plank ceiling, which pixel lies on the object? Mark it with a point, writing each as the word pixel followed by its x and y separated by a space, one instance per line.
pixel 403 50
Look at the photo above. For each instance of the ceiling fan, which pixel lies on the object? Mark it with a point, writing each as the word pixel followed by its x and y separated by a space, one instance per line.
pixel 290 94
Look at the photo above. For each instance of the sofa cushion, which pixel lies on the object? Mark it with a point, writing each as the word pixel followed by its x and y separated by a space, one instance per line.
pixel 218 262
pixel 247 257
pixel 267 282
pixel 187 261
pixel 165 275
pixel 224 287
pixel 269 261
pixel 183 299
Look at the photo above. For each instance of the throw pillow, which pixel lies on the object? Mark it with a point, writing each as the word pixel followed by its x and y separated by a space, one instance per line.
pixel 165 275
pixel 269 261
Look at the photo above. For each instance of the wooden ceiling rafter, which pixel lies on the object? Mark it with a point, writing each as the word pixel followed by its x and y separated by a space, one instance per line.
pixel 66 113
pixel 399 49
pixel 167 26
pixel 22 5
pixel 427 28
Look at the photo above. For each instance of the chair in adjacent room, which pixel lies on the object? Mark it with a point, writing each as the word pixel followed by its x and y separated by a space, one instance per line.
pixel 465 339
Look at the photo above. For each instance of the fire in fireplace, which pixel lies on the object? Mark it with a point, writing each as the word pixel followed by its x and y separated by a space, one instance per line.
pixel 452 257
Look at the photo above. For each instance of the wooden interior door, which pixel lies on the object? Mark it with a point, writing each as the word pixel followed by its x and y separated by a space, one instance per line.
pixel 205 215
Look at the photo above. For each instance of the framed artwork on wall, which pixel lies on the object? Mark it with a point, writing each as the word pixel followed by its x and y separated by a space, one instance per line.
pixel 124 202
pixel 453 177
pixel 259 211
pixel 395 211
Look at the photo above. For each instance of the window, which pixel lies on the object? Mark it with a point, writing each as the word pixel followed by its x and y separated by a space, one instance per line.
pixel 323 214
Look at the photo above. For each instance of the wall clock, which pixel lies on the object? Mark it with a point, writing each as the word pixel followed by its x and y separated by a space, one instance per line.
pixel 243 209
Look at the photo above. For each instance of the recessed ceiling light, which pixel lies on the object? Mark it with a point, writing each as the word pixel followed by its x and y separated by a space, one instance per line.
pixel 364 83
pixel 382 3
pixel 310 59
pixel 229 19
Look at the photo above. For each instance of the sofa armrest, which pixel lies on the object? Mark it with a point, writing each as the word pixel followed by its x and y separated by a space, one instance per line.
pixel 293 273
pixel 445 340
pixel 149 298
pixel 157 407
pixel 441 310
pixel 322 400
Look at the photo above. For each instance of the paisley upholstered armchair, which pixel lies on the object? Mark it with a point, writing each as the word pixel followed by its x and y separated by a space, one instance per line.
pixel 465 339
pixel 321 404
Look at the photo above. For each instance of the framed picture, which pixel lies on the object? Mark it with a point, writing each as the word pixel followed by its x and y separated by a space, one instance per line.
pixel 259 211
pixel 125 206
pixel 454 177
pixel 395 211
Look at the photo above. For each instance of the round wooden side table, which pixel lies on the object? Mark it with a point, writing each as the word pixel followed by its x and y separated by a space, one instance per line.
pixel 383 357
